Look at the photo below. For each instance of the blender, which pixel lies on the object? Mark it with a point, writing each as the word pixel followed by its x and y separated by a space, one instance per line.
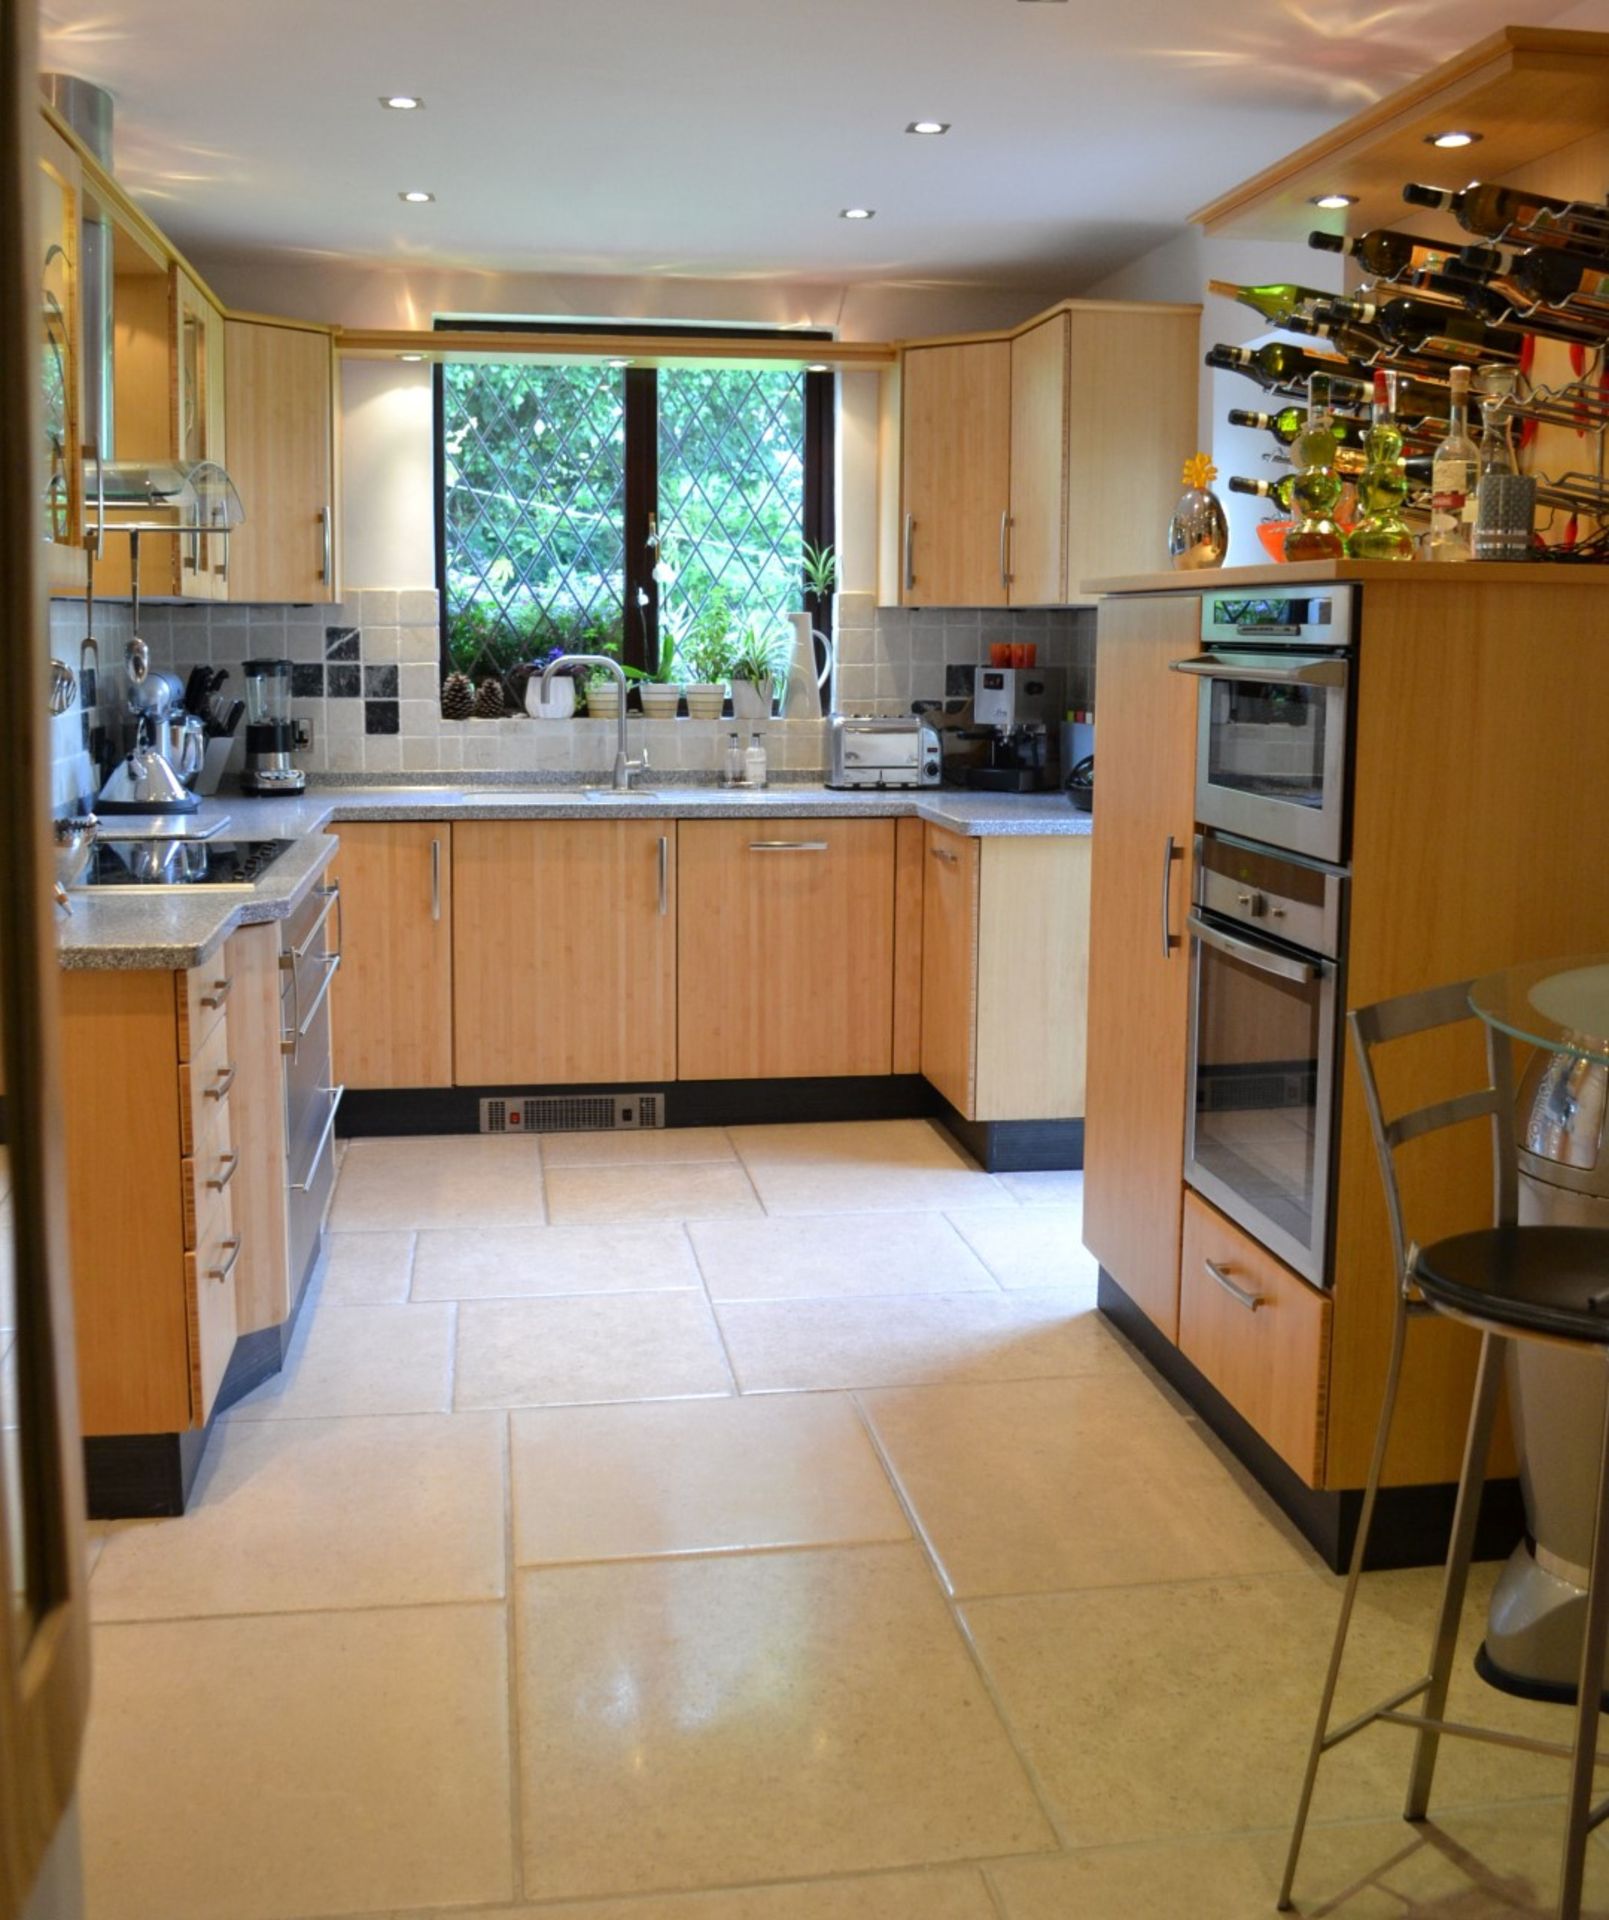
pixel 270 731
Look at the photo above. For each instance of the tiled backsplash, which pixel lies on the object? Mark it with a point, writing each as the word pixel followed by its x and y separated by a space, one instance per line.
pixel 365 676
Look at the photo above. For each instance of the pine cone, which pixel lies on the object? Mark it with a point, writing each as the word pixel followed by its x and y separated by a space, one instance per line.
pixel 457 697
pixel 489 704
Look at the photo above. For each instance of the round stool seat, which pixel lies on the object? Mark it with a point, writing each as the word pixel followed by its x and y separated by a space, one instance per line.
pixel 1541 1280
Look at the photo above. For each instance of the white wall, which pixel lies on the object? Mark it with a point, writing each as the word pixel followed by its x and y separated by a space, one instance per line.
pixel 1180 270
pixel 388 498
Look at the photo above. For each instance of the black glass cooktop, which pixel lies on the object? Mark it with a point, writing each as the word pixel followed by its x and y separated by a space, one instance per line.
pixel 129 864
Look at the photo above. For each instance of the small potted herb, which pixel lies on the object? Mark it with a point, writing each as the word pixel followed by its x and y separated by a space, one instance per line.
pixel 756 667
pixel 708 652
pixel 660 691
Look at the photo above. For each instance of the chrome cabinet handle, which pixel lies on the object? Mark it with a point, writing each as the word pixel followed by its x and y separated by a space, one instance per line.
pixel 301 1186
pixel 1250 1301
pixel 435 879
pixel 1309 673
pixel 331 897
pixel 220 1274
pixel 664 875
pixel 331 963
pixel 787 846
pixel 1170 853
pixel 226 1079
pixel 326 566
pixel 220 992
pixel 291 1038
pixel 910 542
pixel 1264 959
pixel 221 1179
pixel 1005 549
pixel 944 854
pixel 334 888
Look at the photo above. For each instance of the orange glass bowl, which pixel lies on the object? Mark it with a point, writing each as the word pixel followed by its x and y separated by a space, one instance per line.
pixel 1272 533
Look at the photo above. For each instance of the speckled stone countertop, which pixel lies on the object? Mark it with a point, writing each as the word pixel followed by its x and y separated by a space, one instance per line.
pixel 184 927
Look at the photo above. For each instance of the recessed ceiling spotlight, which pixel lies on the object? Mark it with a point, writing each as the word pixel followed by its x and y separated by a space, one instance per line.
pixel 410 356
pixel 401 102
pixel 417 198
pixel 1454 137
pixel 1331 201
pixel 857 213
pixel 928 126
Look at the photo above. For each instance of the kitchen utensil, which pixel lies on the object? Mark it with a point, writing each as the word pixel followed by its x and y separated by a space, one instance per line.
pixel 232 718
pixel 89 653
pixel 63 686
pixel 196 689
pixel 75 844
pixel 144 782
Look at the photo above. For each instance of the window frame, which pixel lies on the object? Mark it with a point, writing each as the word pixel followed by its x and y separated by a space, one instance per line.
pixel 640 637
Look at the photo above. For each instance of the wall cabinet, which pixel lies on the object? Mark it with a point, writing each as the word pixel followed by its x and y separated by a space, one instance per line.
pixel 1139 975
pixel 61 465
pixel 1005 943
pixel 196 347
pixel 280 401
pixel 1031 461
pixel 786 948
pixel 152 1160
pixel 564 952
pixel 392 1001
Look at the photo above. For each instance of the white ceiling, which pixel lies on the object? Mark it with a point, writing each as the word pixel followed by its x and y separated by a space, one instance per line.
pixel 718 138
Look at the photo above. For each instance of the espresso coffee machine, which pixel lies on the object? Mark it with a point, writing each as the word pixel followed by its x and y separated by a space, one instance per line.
pixel 270 731
pixel 1015 736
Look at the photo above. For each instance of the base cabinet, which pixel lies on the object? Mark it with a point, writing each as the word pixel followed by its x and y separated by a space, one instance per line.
pixel 392 1002
pixel 1259 1333
pixel 564 952
pixel 786 949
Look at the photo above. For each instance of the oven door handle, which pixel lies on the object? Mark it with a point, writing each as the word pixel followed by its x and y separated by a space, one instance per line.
pixel 1264 959
pixel 1308 673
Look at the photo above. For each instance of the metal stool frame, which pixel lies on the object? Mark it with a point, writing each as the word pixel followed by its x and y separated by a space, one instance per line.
pixel 1373 1027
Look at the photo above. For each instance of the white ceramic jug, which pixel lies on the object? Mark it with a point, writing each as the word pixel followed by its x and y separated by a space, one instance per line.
pixel 802 701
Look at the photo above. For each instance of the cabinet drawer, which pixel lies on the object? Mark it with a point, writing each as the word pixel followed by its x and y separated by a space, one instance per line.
pixel 203 996
pixel 209 1276
pixel 204 1084
pixel 206 1177
pixel 1271 1362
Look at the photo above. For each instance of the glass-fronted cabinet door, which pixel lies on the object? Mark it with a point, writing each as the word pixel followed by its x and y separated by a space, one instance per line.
pixel 198 424
pixel 61 471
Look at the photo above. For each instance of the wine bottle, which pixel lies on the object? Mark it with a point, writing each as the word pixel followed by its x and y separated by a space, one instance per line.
pixel 1277 366
pixel 1549 274
pixel 1289 422
pixel 1485 208
pixel 1280 491
pixel 1382 533
pixel 1382 251
pixel 1414 323
pixel 1419 396
pixel 1455 468
pixel 1278 303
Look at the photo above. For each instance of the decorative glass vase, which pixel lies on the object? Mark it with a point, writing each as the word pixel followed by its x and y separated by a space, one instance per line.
pixel 1198 534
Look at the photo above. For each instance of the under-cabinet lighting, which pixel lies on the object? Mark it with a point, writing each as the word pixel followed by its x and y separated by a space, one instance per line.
pixel 401 102
pixel 1454 137
pixel 417 198
pixel 928 126
pixel 410 356
pixel 857 213
pixel 818 366
pixel 1332 201
pixel 619 363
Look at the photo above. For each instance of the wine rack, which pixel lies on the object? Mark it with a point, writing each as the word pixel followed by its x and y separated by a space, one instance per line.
pixel 1505 292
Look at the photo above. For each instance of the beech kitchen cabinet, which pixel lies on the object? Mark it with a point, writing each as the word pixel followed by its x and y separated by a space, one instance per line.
pixel 786 948
pixel 564 952
pixel 61 469
pixel 392 1001
pixel 1033 459
pixel 280 388
pixel 1005 945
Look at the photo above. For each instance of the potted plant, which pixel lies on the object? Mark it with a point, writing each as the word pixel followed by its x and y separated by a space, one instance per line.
pixel 603 694
pixel 708 652
pixel 756 665
pixel 660 691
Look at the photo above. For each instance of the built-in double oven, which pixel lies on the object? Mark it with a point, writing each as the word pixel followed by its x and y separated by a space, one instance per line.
pixel 1268 912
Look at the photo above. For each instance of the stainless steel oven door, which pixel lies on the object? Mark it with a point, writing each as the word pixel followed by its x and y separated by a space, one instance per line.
pixel 1263 1039
pixel 1271 746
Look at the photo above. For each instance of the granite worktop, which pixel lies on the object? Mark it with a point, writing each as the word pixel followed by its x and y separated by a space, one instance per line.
pixel 183 928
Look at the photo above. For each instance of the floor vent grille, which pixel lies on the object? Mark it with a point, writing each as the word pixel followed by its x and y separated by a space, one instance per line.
pixel 571 1112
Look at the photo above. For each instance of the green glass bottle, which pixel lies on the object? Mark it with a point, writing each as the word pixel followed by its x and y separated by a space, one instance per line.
pixel 1281 491
pixel 1278 303
pixel 1288 423
pixel 1315 484
pixel 1381 532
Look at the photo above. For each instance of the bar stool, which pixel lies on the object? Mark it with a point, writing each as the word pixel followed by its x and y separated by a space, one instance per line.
pixel 1511 1283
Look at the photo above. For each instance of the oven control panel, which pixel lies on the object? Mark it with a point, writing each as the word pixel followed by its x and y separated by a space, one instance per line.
pixel 1297 901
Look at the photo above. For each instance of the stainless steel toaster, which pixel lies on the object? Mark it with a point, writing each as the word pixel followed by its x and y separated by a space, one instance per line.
pixel 896 752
